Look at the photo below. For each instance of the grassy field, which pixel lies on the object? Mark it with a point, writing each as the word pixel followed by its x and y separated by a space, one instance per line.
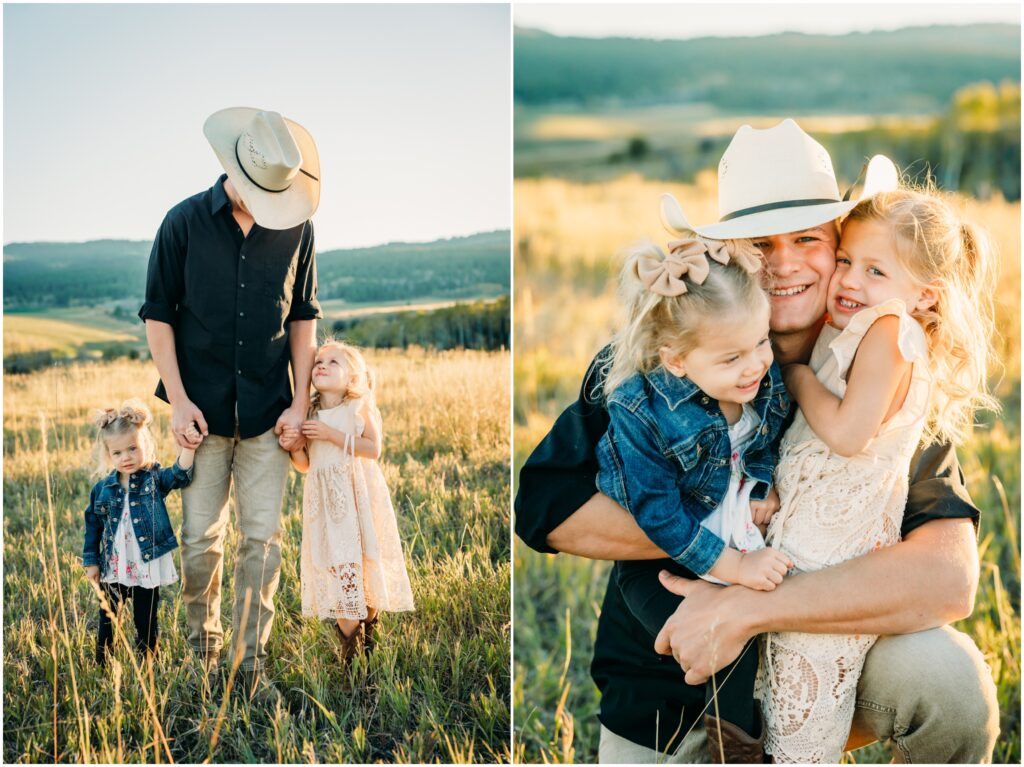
pixel 437 688
pixel 68 330
pixel 567 237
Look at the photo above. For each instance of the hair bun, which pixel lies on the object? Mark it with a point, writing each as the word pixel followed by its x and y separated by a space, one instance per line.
pixel 103 418
pixel 136 412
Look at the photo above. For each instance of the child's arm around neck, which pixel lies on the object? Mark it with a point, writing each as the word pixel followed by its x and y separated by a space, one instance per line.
pixel 876 387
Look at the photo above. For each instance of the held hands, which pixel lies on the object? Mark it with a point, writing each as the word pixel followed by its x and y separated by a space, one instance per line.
pixel 92 573
pixel 193 435
pixel 187 419
pixel 288 428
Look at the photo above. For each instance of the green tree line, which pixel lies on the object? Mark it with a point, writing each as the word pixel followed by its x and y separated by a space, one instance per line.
pixel 479 325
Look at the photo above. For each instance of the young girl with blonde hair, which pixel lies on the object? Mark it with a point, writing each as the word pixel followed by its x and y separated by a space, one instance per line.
pixel 352 563
pixel 128 534
pixel 902 358
pixel 696 406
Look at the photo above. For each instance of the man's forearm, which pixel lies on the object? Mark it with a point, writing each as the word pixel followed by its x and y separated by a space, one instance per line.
pixel 302 343
pixel 160 337
pixel 927 580
pixel 601 529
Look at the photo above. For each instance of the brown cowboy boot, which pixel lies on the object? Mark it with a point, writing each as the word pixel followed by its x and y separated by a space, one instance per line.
pixel 725 738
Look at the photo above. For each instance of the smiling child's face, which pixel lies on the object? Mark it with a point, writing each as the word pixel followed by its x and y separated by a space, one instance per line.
pixel 869 272
pixel 730 361
pixel 331 373
pixel 125 451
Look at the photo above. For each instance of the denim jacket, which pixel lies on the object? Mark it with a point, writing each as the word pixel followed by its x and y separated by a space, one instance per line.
pixel 146 491
pixel 666 458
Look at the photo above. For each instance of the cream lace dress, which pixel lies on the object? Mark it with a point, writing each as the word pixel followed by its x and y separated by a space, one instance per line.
pixel 834 509
pixel 351 553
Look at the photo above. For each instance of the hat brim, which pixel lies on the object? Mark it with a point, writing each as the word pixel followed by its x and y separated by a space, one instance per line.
pixel 779 221
pixel 271 210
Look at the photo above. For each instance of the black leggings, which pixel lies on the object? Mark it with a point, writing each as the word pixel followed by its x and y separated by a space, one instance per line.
pixel 144 611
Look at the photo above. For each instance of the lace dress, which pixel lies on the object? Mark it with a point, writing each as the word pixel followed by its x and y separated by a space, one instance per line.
pixel 834 509
pixel 351 553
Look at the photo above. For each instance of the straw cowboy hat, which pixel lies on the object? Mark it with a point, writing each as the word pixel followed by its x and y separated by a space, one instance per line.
pixel 775 181
pixel 272 162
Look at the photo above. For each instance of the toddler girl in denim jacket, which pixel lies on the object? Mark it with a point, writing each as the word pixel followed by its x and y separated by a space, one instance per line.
pixel 128 534
pixel 696 406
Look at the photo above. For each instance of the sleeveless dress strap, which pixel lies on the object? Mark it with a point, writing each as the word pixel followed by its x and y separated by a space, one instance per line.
pixel 911 339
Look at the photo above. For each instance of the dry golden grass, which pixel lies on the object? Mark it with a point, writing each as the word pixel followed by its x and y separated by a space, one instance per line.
pixel 436 689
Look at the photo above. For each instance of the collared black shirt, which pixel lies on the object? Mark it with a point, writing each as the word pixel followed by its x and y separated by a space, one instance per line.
pixel 229 299
pixel 643 695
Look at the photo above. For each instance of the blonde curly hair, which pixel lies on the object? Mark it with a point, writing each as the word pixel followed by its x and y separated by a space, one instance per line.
pixel 362 382
pixel 132 415
pixel 958 260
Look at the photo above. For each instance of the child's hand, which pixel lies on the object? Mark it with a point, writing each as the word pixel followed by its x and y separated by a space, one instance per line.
pixel 193 435
pixel 762 570
pixel 92 573
pixel 793 374
pixel 316 429
pixel 761 512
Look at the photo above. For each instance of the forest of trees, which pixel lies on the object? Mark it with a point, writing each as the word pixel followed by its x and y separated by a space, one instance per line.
pixel 906 71
pixel 49 274
pixel 477 325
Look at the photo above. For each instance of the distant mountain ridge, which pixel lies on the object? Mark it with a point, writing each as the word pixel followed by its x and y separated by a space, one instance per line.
pixel 911 70
pixel 45 274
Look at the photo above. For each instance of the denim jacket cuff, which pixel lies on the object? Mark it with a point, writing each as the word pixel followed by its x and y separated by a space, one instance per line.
pixel 702 553
pixel 90 560
pixel 760 491
pixel 181 475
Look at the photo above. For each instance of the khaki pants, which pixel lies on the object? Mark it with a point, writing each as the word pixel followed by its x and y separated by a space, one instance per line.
pixel 258 468
pixel 928 695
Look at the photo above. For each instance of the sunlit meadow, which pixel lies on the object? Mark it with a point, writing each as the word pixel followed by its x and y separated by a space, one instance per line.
pixel 435 690
pixel 568 236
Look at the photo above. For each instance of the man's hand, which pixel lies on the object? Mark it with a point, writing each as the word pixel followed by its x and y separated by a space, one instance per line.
pixel 291 419
pixel 705 633
pixel 761 512
pixel 288 439
pixel 92 573
pixel 185 418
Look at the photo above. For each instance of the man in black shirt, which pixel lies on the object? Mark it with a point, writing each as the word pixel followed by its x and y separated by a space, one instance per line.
pixel 230 302
pixel 929 693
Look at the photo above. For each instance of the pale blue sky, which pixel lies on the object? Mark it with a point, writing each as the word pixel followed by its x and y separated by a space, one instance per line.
pixel 685 20
pixel 409 105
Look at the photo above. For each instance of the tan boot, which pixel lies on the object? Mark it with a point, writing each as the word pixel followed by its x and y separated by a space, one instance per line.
pixel 725 738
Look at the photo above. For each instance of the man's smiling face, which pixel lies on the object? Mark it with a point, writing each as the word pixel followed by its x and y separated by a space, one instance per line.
pixel 798 267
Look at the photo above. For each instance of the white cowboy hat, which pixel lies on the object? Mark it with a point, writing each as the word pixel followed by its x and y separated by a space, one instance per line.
pixel 272 163
pixel 778 180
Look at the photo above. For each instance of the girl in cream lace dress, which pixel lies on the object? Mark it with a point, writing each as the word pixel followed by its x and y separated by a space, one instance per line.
pixel 902 358
pixel 352 563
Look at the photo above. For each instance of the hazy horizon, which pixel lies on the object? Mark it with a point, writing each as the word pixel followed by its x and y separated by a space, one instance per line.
pixel 690 21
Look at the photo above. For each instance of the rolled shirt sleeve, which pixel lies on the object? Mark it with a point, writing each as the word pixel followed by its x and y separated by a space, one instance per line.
pixel 561 473
pixel 165 277
pixel 937 489
pixel 304 302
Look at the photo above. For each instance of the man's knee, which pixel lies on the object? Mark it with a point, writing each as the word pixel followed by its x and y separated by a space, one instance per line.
pixel 931 690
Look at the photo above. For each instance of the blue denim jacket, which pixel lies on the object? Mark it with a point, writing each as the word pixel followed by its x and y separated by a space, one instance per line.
pixel 666 458
pixel 146 491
